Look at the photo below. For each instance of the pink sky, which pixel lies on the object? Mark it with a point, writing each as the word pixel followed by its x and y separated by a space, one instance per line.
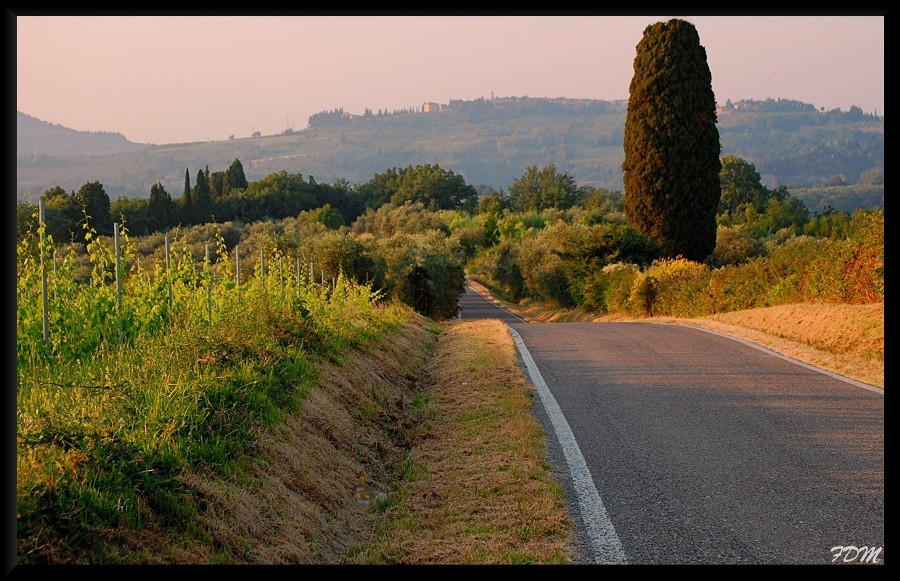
pixel 163 79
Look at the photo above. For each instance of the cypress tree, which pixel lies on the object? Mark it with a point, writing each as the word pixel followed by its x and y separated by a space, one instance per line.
pixel 217 185
pixel 672 147
pixel 187 200
pixel 234 177
pixel 161 208
pixel 202 199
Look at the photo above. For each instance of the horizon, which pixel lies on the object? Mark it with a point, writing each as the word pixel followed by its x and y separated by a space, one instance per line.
pixel 184 79
pixel 375 111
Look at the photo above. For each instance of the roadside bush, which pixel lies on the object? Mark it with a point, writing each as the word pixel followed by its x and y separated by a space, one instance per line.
pixel 642 296
pixel 864 272
pixel 334 253
pixel 545 272
pixel 734 245
pixel 734 288
pixel 425 271
pixel 607 289
pixel 505 270
pixel 681 288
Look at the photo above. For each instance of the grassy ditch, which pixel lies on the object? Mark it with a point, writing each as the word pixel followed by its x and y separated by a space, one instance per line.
pixel 476 487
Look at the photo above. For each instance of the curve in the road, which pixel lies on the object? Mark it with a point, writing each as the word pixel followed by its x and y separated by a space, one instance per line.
pixel 707 451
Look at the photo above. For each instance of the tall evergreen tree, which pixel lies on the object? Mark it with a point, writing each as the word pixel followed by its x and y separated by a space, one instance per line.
pixel 187 201
pixel 217 184
pixel 672 147
pixel 163 214
pixel 203 209
pixel 234 177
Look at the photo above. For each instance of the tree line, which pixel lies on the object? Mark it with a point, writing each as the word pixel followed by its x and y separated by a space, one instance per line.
pixel 680 196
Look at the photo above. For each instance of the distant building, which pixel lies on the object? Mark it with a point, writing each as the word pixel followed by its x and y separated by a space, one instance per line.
pixel 429 107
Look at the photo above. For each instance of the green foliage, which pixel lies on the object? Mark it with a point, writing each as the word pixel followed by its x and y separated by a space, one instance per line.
pixel 26 219
pixel 425 271
pixel 734 245
pixel 601 268
pixel 779 212
pixel 182 376
pixel 63 215
pixel 379 190
pixel 607 290
pixel 499 267
pixel 679 288
pixel 234 177
pixel 537 190
pixel 745 201
pixel 828 224
pixel 512 226
pixel 434 187
pixel 335 254
pixel 202 209
pixel 163 213
pixel 547 275
pixel 135 212
pixel 605 205
pixel 331 218
pixel 740 185
pixel 671 167
pixel 406 218
pixel 95 203
pixel 492 204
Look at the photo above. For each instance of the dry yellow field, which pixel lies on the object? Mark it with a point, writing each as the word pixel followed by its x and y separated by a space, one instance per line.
pixel 844 339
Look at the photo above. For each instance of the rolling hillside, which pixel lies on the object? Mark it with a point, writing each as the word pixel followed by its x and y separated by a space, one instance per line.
pixel 36 138
pixel 832 157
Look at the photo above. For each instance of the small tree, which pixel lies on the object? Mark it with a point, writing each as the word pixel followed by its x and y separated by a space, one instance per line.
pixel 234 177
pixel 741 184
pixel 538 190
pixel 95 202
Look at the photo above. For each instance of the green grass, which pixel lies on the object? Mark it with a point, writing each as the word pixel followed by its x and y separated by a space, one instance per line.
pixel 102 440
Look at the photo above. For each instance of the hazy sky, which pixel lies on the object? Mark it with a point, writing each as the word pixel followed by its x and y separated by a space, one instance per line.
pixel 173 79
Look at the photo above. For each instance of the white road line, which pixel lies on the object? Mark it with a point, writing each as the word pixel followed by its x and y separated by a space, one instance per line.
pixel 605 546
pixel 786 358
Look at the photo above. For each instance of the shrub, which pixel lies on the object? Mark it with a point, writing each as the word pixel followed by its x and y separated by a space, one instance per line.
pixel 734 245
pixel 681 287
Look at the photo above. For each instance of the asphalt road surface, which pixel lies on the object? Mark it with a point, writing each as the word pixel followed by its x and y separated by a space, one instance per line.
pixel 705 450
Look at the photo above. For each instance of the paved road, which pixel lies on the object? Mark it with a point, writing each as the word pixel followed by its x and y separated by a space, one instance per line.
pixel 705 450
pixel 475 306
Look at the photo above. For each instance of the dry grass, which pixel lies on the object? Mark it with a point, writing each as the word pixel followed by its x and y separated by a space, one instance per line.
pixel 469 483
pixel 480 489
pixel 844 339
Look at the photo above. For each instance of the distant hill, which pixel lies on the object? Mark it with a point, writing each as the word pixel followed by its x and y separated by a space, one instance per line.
pixel 823 157
pixel 36 138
